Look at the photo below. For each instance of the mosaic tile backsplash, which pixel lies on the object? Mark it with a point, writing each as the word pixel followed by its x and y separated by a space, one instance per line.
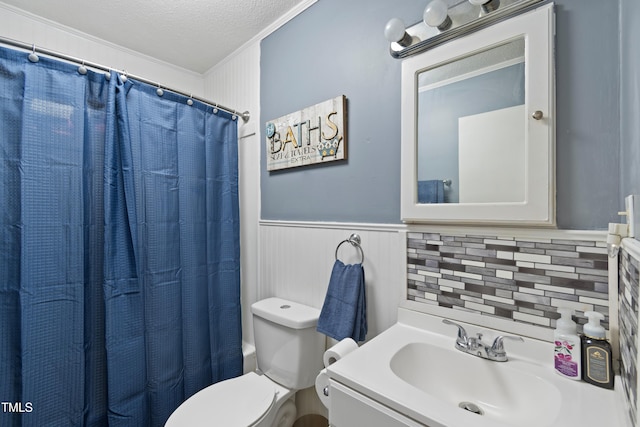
pixel 524 280
pixel 628 300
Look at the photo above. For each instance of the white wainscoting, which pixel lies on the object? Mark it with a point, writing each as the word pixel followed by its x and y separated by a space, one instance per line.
pixel 296 259
pixel 236 83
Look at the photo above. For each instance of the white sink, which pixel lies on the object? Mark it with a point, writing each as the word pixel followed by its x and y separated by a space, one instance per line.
pixel 490 389
pixel 414 369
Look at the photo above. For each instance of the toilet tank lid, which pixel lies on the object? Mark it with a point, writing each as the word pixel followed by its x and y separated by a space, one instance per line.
pixel 286 313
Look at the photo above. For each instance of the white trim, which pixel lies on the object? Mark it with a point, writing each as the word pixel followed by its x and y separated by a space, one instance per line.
pixel 512 232
pixel 614 324
pixel 632 246
pixel 295 11
pixel 332 225
pixel 456 230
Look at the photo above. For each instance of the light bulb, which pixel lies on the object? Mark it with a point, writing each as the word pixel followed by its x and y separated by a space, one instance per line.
pixel 395 32
pixel 436 15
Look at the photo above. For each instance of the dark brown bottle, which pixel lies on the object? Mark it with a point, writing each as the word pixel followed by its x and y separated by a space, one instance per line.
pixel 597 368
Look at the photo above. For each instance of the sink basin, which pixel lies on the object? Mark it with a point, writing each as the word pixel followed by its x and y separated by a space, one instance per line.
pixel 413 371
pixel 494 390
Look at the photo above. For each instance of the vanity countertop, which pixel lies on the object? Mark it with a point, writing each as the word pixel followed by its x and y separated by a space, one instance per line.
pixel 544 397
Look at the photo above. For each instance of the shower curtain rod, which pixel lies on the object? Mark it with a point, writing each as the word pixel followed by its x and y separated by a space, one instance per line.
pixel 4 40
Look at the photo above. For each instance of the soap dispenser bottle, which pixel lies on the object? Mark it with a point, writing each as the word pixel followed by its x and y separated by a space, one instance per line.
pixel 597 368
pixel 567 355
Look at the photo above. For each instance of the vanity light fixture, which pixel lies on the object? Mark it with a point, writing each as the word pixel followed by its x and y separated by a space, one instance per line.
pixel 487 5
pixel 436 14
pixel 445 20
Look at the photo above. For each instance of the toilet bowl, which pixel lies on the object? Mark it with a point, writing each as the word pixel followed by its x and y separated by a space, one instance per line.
pixel 289 351
pixel 248 400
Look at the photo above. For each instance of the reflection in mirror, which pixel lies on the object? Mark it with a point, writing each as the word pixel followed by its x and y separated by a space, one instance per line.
pixel 471 128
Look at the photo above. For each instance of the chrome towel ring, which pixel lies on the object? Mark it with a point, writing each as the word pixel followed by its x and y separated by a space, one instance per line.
pixel 354 239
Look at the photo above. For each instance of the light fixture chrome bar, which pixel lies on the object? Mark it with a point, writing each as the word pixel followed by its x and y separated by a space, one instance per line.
pixel 498 15
pixel 36 49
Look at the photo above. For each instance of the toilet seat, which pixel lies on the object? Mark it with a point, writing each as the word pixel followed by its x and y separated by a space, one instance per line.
pixel 237 402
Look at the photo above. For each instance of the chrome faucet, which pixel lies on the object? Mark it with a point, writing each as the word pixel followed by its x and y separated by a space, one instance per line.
pixel 475 345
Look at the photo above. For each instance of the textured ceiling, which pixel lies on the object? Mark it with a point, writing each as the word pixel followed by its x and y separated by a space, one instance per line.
pixel 193 34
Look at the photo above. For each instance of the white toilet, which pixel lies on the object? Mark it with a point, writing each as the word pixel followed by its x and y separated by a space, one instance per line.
pixel 289 352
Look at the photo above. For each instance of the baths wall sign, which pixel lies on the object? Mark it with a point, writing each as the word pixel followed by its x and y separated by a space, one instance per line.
pixel 316 134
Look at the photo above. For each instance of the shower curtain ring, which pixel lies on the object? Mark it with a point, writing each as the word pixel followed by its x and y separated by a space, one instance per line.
pixel 190 100
pixel 32 56
pixel 82 69
pixel 215 108
pixel 159 91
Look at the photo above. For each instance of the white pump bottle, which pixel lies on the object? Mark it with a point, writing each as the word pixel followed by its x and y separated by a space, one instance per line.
pixel 567 353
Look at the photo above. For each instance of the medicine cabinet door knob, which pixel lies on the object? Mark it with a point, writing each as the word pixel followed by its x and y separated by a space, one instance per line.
pixel 537 115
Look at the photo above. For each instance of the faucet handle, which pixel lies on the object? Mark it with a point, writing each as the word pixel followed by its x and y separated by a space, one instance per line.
pixel 463 338
pixel 498 346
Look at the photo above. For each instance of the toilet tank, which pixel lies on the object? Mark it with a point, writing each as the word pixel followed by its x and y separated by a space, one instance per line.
pixel 288 347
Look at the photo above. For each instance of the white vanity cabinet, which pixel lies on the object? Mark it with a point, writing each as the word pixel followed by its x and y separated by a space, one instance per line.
pixel 350 408
pixel 478 126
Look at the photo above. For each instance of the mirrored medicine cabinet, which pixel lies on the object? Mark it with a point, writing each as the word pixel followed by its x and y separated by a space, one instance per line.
pixel 478 126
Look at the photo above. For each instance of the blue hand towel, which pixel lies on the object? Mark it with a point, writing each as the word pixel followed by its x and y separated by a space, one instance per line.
pixel 344 312
pixel 431 191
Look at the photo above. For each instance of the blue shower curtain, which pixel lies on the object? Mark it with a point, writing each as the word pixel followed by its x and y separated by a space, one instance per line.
pixel 119 248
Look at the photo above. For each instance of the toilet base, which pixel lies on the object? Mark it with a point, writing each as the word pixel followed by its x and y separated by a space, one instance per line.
pixel 286 415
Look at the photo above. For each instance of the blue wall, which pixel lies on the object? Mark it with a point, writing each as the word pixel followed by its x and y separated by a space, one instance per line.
pixel 630 97
pixel 337 47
